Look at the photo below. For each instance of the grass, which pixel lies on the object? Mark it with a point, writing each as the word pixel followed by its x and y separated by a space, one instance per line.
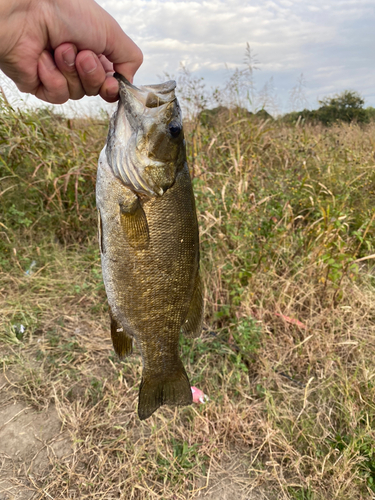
pixel 287 355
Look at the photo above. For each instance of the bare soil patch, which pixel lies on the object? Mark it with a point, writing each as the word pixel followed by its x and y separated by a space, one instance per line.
pixel 30 442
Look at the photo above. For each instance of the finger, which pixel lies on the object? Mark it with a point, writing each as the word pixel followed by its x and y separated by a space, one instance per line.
pixel 90 71
pixel 109 89
pixel 107 65
pixel 125 55
pixel 65 58
pixel 53 87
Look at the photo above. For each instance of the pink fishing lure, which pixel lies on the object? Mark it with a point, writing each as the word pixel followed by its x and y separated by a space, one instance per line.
pixel 199 396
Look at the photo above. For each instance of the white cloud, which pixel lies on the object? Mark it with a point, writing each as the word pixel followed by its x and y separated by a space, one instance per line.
pixel 329 41
pixel 290 37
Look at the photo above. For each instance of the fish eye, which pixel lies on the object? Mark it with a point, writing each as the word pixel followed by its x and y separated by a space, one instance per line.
pixel 174 129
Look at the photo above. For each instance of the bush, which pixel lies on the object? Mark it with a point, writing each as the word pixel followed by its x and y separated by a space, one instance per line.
pixel 370 112
pixel 344 107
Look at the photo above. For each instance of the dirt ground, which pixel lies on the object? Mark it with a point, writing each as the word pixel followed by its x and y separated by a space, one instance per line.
pixel 29 442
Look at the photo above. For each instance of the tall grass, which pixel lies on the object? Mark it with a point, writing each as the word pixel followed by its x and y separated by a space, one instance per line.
pixel 287 355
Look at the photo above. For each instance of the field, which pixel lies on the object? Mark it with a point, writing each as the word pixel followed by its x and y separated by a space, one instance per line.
pixel 287 355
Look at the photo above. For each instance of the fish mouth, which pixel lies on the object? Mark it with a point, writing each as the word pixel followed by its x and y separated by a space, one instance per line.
pixel 150 96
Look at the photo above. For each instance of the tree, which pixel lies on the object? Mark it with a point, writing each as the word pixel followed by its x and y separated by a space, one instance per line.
pixel 346 106
pixel 370 112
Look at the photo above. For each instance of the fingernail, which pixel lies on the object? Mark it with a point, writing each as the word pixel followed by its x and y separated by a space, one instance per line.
pixel 47 61
pixel 69 57
pixel 89 64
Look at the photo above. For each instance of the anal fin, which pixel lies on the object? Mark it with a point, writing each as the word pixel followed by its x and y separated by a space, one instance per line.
pixel 192 325
pixel 166 389
pixel 134 223
pixel 122 342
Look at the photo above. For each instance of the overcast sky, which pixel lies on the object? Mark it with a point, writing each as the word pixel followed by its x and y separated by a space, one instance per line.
pixel 330 42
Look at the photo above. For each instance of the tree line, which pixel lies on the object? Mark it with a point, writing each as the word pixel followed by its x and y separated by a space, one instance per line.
pixel 347 106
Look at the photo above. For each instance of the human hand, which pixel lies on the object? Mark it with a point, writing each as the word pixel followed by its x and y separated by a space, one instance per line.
pixel 64 49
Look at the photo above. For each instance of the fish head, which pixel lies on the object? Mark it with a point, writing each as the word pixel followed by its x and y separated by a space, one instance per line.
pixel 145 146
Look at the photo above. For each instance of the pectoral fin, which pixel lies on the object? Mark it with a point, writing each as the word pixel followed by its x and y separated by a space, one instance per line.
pixel 122 342
pixel 134 224
pixel 192 326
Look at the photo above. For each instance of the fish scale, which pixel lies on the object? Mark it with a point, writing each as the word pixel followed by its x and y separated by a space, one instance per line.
pixel 149 242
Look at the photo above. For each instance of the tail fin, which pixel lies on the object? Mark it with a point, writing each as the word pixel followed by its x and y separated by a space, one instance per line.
pixel 170 389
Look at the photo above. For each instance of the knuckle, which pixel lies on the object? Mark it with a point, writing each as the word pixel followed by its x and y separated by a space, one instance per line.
pixel 139 58
pixel 59 99
pixel 59 94
pixel 92 83
pixel 92 92
pixel 75 96
pixel 25 88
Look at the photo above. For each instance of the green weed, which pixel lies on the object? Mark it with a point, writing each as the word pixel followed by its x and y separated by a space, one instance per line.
pixel 286 357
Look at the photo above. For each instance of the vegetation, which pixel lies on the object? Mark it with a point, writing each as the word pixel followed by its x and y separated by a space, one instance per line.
pixel 344 107
pixel 287 355
pixel 214 117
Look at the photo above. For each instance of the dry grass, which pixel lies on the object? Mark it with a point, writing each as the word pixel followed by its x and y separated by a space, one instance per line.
pixel 287 357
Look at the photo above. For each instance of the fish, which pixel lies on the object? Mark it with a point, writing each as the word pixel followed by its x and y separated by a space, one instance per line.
pixel 149 240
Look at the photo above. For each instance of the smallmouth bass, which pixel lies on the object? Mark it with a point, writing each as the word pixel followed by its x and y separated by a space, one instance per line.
pixel 148 238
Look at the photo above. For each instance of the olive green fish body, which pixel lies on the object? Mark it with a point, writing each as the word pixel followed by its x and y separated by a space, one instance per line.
pixel 148 236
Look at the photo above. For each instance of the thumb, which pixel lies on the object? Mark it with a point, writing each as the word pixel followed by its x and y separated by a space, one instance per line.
pixel 125 55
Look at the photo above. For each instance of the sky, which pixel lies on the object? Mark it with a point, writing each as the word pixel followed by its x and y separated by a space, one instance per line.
pixel 329 42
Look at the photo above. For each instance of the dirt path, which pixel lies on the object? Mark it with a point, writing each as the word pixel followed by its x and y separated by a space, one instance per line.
pixel 29 442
